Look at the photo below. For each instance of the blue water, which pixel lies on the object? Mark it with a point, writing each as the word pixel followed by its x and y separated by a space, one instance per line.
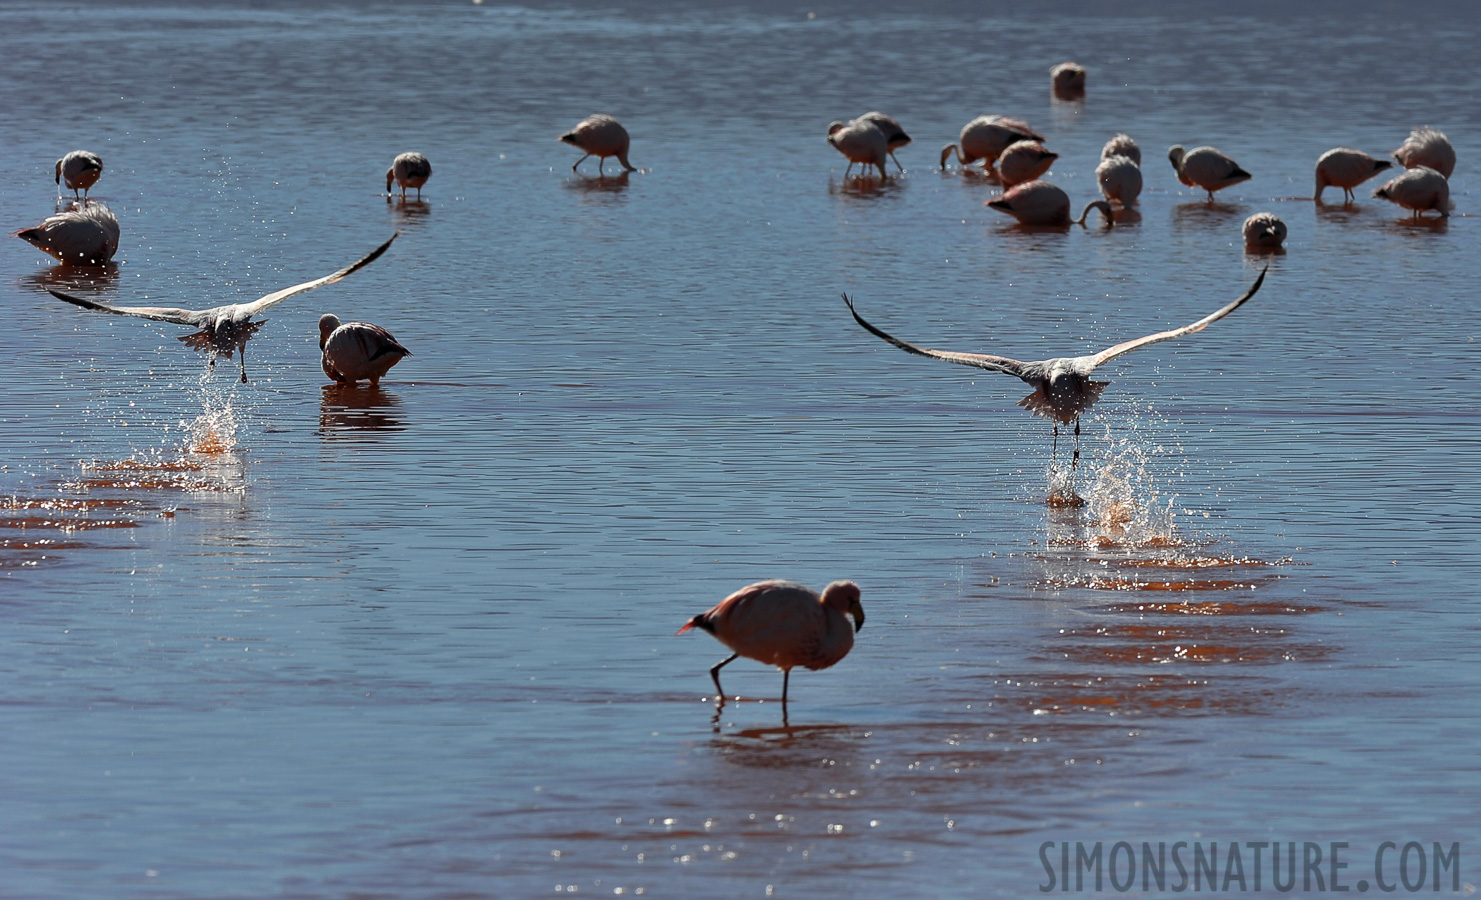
pixel 284 639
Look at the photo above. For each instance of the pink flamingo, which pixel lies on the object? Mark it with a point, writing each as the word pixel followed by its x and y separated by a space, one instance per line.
pixel 224 329
pixel 985 138
pixel 894 133
pixel 1346 168
pixel 1042 203
pixel 83 235
pixel 1206 167
pixel 784 624
pixel 409 170
pixel 356 350
pixel 1121 144
pixel 1427 147
pixel 1264 231
pixel 600 136
pixel 1120 180
pixel 860 141
pixel 1068 78
pixel 1419 189
pixel 1024 161
pixel 80 169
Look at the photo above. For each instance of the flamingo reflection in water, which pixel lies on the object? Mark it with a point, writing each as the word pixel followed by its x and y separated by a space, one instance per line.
pixel 224 329
pixel 1062 386
pixel 784 624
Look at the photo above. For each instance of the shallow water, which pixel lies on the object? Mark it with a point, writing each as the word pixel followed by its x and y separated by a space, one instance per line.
pixel 289 639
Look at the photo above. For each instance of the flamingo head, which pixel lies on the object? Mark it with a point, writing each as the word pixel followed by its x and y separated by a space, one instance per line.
pixel 327 323
pixel 1175 155
pixel 844 597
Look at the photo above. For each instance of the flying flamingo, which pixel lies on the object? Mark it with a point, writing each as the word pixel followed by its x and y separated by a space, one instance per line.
pixel 409 170
pixel 81 170
pixel 985 138
pixel 224 329
pixel 1345 168
pixel 1120 180
pixel 1206 167
pixel 1419 189
pixel 83 235
pixel 1062 386
pixel 861 141
pixel 600 136
pixel 1427 147
pixel 1264 231
pixel 1024 161
pixel 784 624
pixel 1042 203
pixel 356 350
pixel 894 135
pixel 1121 144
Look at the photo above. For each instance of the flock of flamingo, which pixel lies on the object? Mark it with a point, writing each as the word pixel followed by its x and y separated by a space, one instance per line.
pixel 775 622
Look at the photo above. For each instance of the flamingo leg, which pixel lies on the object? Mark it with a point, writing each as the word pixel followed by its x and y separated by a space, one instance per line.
pixel 579 162
pixel 242 358
pixel 1076 463
pixel 715 674
pixel 1054 444
pixel 849 169
pixel 786 677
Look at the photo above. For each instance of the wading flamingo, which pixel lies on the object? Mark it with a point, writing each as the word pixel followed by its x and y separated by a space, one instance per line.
pixel 1121 144
pixel 1264 231
pixel 985 138
pixel 1062 386
pixel 1024 161
pixel 409 170
pixel 1345 168
pixel 223 329
pixel 357 350
pixel 600 136
pixel 1205 167
pixel 894 135
pixel 80 170
pixel 1427 147
pixel 83 235
pixel 1120 180
pixel 860 141
pixel 1068 78
pixel 784 624
pixel 1042 203
pixel 1419 189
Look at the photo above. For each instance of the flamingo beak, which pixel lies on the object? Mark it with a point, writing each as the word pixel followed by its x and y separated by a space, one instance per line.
pixel 856 610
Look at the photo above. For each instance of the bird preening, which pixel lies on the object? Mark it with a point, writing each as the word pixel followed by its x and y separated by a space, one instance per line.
pixel 1062 386
pixel 224 330
pixel 783 624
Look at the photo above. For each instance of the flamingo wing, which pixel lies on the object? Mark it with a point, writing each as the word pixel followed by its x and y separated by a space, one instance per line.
pixel 1111 353
pixel 977 360
pixel 248 310
pixel 157 313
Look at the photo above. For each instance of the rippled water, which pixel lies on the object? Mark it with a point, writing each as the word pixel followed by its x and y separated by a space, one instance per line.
pixel 284 639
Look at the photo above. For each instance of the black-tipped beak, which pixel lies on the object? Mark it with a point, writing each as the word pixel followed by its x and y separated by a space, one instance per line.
pixel 857 611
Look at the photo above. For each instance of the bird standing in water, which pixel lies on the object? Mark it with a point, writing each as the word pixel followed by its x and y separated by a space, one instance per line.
pixel 357 350
pixel 784 624
pixel 600 136
pixel 409 170
pixel 80 170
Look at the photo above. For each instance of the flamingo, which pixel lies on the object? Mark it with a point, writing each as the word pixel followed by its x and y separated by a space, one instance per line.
pixel 861 141
pixel 1120 179
pixel 409 170
pixel 80 169
pixel 894 134
pixel 1042 203
pixel 1024 161
pixel 1206 167
pixel 1068 78
pixel 1062 386
pixel 1121 144
pixel 600 136
pixel 784 624
pixel 356 350
pixel 1264 231
pixel 1346 168
pixel 1427 147
pixel 986 137
pixel 224 329
pixel 1419 189
pixel 83 235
